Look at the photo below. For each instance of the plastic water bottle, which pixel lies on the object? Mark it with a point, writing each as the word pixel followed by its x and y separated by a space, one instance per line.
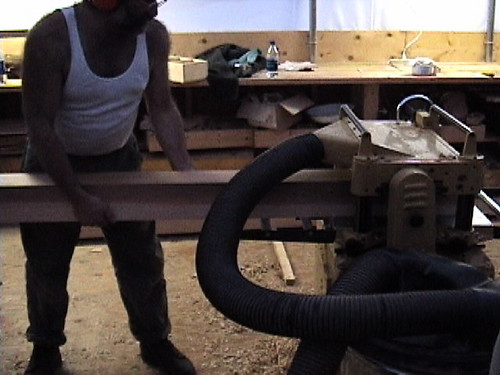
pixel 272 60
pixel 3 69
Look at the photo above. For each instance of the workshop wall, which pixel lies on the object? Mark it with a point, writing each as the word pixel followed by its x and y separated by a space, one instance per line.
pixel 346 46
pixel 341 46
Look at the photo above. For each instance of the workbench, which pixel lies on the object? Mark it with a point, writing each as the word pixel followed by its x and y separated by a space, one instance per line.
pixel 368 77
pixel 361 83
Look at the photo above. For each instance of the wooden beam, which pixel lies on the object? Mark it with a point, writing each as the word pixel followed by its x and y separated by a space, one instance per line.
pixel 172 195
pixel 366 98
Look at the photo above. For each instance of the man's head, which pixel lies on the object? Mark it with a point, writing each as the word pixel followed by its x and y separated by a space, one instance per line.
pixel 133 15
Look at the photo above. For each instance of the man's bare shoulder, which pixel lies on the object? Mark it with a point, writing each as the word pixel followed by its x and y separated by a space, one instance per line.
pixel 47 47
pixel 156 27
pixel 157 37
pixel 50 29
pixel 48 41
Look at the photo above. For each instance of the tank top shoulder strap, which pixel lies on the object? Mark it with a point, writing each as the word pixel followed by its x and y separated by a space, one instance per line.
pixel 74 37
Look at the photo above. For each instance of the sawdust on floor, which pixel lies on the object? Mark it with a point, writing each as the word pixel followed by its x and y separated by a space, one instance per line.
pixel 99 341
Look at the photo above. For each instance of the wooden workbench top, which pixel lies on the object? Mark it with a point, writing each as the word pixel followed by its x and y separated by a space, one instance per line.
pixel 357 73
pixel 383 73
pixel 11 85
pixel 373 73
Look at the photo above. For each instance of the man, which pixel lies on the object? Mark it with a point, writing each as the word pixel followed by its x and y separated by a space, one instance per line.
pixel 86 70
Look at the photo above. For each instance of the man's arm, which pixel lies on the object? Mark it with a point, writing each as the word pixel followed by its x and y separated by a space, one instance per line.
pixel 45 67
pixel 165 117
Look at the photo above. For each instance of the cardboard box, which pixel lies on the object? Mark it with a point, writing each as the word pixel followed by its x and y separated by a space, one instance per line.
pixel 186 69
pixel 273 112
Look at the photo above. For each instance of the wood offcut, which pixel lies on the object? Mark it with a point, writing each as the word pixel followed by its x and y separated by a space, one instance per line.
pixel 284 262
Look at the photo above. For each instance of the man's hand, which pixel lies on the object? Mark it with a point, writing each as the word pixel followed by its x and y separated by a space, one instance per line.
pixel 92 211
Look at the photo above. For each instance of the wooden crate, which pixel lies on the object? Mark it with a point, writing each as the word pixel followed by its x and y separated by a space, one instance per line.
pixel 232 159
pixel 209 139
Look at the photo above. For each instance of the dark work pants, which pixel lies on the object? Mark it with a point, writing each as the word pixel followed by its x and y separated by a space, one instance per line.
pixel 136 254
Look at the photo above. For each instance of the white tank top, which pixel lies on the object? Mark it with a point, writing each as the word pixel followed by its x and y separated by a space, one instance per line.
pixel 97 114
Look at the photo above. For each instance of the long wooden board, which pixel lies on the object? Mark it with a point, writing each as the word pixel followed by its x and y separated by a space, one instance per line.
pixel 172 196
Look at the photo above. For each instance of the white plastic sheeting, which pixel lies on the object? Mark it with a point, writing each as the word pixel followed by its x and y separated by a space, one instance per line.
pixel 23 14
pixel 252 15
pixel 433 15
pixel 277 15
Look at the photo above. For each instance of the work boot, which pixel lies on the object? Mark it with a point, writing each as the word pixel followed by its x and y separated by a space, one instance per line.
pixel 45 360
pixel 164 356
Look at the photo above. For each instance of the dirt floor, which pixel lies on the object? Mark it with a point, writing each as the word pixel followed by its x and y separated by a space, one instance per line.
pixel 99 341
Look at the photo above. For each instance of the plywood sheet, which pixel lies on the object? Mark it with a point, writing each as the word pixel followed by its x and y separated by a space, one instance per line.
pixel 347 46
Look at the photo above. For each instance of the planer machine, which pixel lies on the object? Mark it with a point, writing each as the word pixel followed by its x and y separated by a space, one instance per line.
pixel 415 293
